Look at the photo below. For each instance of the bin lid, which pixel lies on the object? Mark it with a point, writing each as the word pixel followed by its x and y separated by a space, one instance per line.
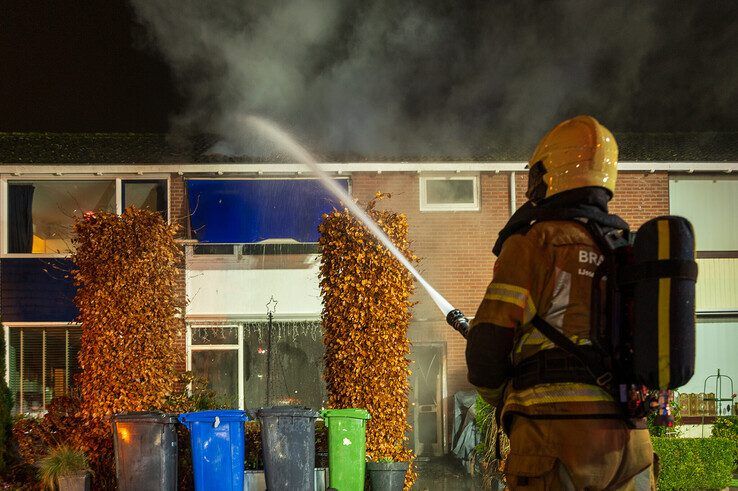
pixel 289 411
pixel 146 417
pixel 354 413
pixel 209 416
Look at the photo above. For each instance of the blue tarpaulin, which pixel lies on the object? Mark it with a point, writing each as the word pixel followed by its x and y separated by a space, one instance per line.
pixel 253 210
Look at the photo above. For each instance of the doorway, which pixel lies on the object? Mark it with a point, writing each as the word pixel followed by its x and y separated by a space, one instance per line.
pixel 427 364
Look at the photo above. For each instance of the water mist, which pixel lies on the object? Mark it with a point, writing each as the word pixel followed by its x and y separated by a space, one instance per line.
pixel 271 131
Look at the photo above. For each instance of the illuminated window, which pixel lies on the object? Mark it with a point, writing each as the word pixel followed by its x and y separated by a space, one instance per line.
pixel 41 213
pixel 42 363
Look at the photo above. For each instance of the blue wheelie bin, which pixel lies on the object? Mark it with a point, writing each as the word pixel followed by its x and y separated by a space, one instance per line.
pixel 217 439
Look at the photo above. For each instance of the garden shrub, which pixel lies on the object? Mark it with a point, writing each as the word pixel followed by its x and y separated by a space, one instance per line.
pixel 695 463
pixel 34 437
pixel 192 394
pixel 725 427
pixel 31 439
pixel 490 463
pixel 125 273
pixel 366 313
pixel 254 453
pixel 6 405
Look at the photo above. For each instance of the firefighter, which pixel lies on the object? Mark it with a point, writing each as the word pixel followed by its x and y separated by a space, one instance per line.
pixel 566 431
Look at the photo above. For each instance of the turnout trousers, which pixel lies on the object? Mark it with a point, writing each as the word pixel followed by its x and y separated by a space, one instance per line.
pixel 578 454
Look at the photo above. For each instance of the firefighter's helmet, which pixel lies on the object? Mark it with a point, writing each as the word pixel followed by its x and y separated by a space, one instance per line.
pixel 577 153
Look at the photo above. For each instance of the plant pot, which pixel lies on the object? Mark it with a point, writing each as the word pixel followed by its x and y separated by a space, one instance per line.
pixel 74 482
pixel 387 476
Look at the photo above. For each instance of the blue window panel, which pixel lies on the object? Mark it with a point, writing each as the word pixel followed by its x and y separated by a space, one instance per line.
pixel 248 211
pixel 37 290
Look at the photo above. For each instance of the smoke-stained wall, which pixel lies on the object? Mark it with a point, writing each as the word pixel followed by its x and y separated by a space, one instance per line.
pixel 420 79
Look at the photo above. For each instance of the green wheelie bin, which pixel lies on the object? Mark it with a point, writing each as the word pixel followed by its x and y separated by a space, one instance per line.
pixel 346 448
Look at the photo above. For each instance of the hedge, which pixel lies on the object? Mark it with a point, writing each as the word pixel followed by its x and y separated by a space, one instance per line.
pixel 695 463
pixel 366 313
pixel 126 272
pixel 726 427
pixel 6 404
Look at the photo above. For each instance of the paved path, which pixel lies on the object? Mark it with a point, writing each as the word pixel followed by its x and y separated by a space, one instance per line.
pixel 445 474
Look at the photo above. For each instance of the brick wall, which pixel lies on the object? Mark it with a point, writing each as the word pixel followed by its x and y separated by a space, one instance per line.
pixel 456 257
pixel 178 214
pixel 638 196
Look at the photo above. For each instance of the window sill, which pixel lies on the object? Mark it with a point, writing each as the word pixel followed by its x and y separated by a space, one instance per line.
pixel 35 256
pixel 449 208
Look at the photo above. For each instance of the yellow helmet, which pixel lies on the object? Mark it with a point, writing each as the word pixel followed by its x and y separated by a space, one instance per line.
pixel 577 153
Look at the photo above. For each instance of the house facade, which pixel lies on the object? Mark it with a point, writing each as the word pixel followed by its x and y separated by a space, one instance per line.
pixel 249 288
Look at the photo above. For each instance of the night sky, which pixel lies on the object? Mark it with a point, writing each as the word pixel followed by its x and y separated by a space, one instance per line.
pixel 80 66
pixel 89 66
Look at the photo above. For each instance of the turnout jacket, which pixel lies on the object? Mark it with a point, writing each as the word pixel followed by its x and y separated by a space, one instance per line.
pixel 544 268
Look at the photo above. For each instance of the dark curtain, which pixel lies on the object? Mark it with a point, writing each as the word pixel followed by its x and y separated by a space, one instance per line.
pixel 20 219
pixel 161 199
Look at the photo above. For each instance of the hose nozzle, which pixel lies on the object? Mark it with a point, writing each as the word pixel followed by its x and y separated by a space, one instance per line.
pixel 458 321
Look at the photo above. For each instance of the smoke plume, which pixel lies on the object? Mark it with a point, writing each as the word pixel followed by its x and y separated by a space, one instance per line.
pixel 382 79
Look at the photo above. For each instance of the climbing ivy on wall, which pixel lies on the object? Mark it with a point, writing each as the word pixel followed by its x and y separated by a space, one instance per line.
pixel 125 273
pixel 366 313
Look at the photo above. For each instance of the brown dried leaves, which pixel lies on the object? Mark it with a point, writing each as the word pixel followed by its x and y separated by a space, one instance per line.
pixel 125 272
pixel 366 313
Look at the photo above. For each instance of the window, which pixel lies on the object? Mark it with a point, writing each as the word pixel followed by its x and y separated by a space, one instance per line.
pixel 709 202
pixel 213 249
pixel 284 364
pixel 281 363
pixel 42 363
pixel 214 357
pixel 146 195
pixel 457 193
pixel 241 211
pixel 41 213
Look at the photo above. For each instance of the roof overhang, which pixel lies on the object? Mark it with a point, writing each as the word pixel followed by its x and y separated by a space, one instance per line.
pixel 266 168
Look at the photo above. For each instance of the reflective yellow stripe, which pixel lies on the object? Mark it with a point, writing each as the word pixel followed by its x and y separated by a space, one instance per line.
pixel 506 298
pixel 515 295
pixel 663 316
pixel 664 246
pixel 663 310
pixel 509 287
pixel 556 393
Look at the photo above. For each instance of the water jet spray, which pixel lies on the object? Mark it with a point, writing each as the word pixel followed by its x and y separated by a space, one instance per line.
pixel 454 317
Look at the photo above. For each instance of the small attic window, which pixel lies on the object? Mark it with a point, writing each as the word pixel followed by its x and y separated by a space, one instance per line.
pixel 449 193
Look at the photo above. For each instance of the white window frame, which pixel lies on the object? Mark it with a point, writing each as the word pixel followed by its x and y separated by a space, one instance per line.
pixel 425 206
pixel 212 322
pixel 7 326
pixel 118 179
pixel 218 347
